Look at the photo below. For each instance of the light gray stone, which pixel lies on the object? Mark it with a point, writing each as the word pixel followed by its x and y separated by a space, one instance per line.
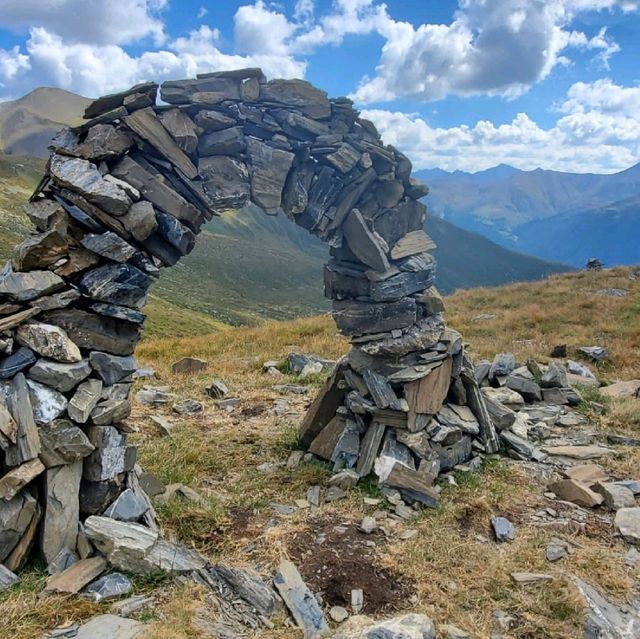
pixel 49 341
pixel 48 404
pixel 127 507
pixel 627 523
pixel 7 578
pixel 62 377
pixel 84 400
pixel 62 509
pixel 410 626
pixel 108 587
pixel 503 529
pixel 63 442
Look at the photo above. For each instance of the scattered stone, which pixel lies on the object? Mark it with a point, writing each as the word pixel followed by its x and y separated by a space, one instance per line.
pixel 132 605
pixel 76 577
pixel 528 388
pixel 189 365
pixel 217 389
pixel 338 614
pixel 527 578
pixel 357 600
pixel 111 627
pixel 17 478
pixel 299 600
pixel 63 560
pixel 368 525
pixel 228 405
pixel 615 496
pixel 8 579
pixel 137 549
pixel 627 523
pixel 503 529
pixel 557 550
pixel 604 618
pixel 588 474
pixel 112 369
pixel 630 388
pixel 596 353
pixel 554 377
pixel 154 396
pixel 505 396
pixel 109 587
pixel 576 368
pixel 410 626
pixel 576 492
pixel 578 452
pixel 188 407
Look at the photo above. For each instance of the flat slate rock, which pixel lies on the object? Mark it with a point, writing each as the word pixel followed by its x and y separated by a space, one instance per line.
pixel 299 600
pixel 24 287
pixel 76 577
pixel 7 578
pixel 409 626
pixel 60 376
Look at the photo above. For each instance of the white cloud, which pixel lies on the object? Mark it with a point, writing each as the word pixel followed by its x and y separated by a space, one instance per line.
pixel 99 22
pixel 599 133
pixel 491 47
pixel 93 70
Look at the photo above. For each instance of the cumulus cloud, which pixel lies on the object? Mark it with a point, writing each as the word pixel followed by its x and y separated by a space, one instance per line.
pixel 599 133
pixel 491 47
pixel 91 21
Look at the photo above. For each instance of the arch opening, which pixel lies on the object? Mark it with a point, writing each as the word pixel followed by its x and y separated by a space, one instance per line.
pixel 126 194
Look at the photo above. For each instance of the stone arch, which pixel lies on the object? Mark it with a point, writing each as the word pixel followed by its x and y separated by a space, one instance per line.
pixel 125 194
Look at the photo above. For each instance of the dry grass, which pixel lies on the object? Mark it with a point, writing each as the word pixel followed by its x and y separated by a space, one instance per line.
pixel 457 574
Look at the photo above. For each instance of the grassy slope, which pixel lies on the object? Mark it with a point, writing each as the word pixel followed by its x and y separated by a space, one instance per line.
pixel 455 576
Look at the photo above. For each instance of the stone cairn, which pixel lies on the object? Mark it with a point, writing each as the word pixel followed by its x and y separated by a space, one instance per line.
pixel 125 194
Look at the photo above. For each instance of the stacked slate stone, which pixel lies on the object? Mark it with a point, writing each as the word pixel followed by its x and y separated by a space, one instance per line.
pixel 125 194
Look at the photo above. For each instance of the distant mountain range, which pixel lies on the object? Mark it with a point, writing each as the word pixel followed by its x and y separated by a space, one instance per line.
pixel 246 266
pixel 568 217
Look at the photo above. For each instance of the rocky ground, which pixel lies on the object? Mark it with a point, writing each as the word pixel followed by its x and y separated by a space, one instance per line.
pixel 519 546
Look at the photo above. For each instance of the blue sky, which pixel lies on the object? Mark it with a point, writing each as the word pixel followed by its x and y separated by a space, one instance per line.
pixel 456 84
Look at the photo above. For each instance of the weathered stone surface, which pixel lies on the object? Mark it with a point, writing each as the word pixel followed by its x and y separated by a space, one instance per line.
pixel 111 627
pixel 576 492
pixel 629 388
pixel 359 318
pixel 501 416
pixel 528 388
pixel 364 243
pixel 84 178
pixel 84 400
pixel 111 411
pixel 16 479
pixel 627 523
pixel 48 404
pixel 224 142
pixel 554 377
pixel 615 495
pixel 189 365
pixel 520 447
pixel 61 511
pixel 589 474
pixel 415 486
pixel 40 250
pixel 528 578
pixel 112 101
pixel 140 220
pixel 226 180
pixel 344 158
pixel 213 120
pixel 116 284
pixel 427 395
pixel 7 578
pixel 112 369
pixel 299 95
pixel 27 444
pixel 76 577
pixel 104 142
pixel 136 549
pixel 606 620
pixel 63 443
pixel 112 455
pixel 96 332
pixel 49 341
pixel 182 129
pixel 20 359
pixel 145 123
pixel 119 312
pixel 506 396
pixel 62 377
pixel 108 587
pixel 109 245
pixel 578 452
pixel 410 626
pixel 503 529
pixel 15 517
pixel 127 507
pixel 299 600
pixel 24 287
pixel 95 496
pixel 412 243
pixel 269 170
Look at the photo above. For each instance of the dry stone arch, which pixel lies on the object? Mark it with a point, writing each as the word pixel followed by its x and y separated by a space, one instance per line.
pixel 125 194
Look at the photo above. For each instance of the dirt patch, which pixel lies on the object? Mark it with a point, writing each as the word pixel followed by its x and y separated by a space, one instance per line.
pixel 334 558
pixel 254 411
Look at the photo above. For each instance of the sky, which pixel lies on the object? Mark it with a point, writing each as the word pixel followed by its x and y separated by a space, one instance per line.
pixel 455 84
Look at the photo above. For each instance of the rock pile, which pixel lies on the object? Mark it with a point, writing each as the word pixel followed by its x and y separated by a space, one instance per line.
pixel 125 194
